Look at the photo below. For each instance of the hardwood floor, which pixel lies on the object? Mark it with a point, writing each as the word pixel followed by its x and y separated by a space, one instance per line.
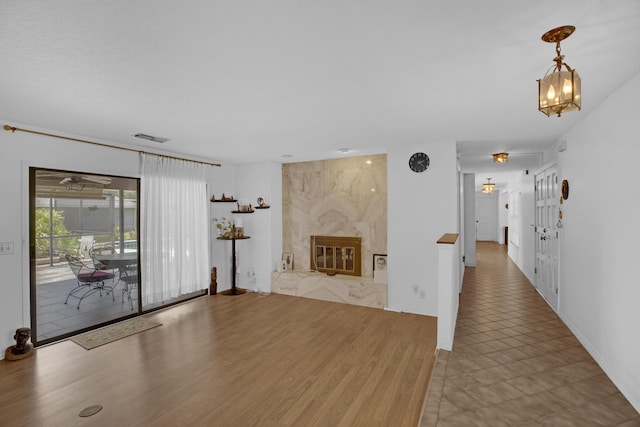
pixel 235 361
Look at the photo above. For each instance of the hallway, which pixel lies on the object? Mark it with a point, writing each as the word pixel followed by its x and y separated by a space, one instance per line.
pixel 514 362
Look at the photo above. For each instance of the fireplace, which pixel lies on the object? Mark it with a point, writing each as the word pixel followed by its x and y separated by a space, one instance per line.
pixel 336 254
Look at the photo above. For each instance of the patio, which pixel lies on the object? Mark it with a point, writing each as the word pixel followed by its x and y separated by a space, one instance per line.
pixel 55 318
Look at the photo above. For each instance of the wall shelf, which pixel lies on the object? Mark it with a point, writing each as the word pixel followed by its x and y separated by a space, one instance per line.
pixel 224 201
pixel 241 212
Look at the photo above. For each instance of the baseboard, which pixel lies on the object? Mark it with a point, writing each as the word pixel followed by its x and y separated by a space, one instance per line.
pixel 611 372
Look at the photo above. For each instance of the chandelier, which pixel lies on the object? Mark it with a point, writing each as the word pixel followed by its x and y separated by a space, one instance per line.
pixel 488 186
pixel 501 158
pixel 559 91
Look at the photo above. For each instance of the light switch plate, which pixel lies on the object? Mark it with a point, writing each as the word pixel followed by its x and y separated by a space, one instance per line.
pixel 6 248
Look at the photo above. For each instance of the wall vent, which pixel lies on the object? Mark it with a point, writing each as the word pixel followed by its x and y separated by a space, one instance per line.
pixel 151 138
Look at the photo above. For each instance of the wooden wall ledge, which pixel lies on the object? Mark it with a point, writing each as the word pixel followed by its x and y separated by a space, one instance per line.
pixel 448 239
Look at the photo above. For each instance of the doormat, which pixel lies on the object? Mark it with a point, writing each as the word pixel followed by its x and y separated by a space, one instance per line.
pixel 113 333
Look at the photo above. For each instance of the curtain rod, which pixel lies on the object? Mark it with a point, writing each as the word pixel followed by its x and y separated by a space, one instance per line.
pixel 13 129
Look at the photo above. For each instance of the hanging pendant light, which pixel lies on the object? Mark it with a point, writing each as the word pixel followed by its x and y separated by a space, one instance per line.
pixel 559 91
pixel 488 186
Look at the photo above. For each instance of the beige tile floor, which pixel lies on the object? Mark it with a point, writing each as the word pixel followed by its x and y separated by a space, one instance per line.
pixel 514 362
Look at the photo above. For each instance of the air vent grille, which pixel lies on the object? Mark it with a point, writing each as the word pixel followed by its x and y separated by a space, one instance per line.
pixel 152 138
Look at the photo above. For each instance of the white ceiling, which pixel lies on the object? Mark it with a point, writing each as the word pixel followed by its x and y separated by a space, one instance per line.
pixel 253 80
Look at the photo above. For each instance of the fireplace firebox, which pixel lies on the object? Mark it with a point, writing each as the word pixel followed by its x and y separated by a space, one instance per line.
pixel 336 254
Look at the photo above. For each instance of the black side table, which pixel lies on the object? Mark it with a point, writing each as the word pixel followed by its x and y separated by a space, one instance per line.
pixel 234 290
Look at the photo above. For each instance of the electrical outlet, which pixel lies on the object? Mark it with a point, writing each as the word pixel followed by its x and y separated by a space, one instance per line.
pixel 6 248
pixel 415 289
pixel 422 294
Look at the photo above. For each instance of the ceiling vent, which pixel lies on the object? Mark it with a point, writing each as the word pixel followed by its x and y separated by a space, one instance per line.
pixel 151 138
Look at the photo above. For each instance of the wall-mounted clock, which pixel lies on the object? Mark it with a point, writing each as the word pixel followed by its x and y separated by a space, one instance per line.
pixel 419 162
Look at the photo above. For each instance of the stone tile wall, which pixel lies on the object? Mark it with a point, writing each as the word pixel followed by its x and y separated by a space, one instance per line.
pixel 337 197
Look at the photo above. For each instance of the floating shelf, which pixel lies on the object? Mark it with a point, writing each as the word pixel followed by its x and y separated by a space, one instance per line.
pixel 223 201
pixel 238 212
pixel 262 207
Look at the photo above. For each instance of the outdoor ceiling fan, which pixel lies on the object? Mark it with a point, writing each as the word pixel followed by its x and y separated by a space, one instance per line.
pixel 63 178
pixel 79 182
pixel 83 179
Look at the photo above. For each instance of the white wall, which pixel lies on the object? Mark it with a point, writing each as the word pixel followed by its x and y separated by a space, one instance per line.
pixel 275 173
pixel 264 225
pixel 421 208
pixel 221 180
pixel 522 205
pixel 599 291
pixel 260 253
pixel 469 219
pixel 461 225
pixel 503 217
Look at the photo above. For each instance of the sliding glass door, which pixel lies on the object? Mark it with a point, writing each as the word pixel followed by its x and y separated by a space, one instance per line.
pixel 84 251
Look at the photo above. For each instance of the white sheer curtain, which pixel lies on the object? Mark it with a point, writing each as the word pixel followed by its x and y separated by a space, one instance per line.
pixel 174 227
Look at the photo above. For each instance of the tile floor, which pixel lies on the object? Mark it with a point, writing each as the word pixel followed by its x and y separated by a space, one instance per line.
pixel 55 318
pixel 514 362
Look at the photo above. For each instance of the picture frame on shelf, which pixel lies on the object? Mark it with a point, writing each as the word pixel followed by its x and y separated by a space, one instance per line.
pixel 380 268
pixel 287 257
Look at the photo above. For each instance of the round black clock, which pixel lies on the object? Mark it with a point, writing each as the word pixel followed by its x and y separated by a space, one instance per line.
pixel 419 162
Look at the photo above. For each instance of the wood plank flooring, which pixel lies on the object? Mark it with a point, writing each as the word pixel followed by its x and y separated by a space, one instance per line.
pixel 235 361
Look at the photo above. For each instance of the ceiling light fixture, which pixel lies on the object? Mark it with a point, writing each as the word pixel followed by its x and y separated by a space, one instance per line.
pixel 488 186
pixel 151 138
pixel 559 91
pixel 501 158
pixel 344 150
pixel 73 186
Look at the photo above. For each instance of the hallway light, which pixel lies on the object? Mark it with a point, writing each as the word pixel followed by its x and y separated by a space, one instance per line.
pixel 559 91
pixel 501 158
pixel 488 186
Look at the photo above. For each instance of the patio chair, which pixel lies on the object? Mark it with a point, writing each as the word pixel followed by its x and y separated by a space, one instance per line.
pixel 97 250
pixel 129 279
pixel 89 280
pixel 86 242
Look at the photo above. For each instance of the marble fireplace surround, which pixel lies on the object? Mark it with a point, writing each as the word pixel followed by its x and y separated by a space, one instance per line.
pixel 335 197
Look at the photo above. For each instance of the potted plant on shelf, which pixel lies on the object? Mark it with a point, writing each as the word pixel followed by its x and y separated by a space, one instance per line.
pixel 223 227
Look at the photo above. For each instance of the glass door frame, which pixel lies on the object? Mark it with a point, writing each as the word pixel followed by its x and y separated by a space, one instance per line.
pixel 33 255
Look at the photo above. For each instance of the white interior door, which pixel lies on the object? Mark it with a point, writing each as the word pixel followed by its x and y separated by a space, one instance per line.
pixel 486 217
pixel 547 209
pixel 469 220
